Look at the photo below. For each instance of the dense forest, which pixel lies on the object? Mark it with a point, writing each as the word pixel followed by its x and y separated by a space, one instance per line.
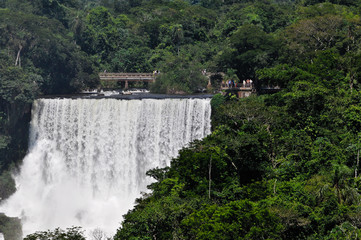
pixel 280 166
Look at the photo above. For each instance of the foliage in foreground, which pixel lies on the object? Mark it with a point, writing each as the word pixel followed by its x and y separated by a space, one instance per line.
pixel 73 233
pixel 283 166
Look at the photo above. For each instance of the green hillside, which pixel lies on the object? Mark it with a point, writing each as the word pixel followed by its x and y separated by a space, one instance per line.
pixel 281 166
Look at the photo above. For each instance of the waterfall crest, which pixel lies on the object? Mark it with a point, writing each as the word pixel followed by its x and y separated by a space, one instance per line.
pixel 88 157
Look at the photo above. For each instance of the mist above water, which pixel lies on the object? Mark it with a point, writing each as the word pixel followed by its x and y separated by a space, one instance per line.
pixel 88 158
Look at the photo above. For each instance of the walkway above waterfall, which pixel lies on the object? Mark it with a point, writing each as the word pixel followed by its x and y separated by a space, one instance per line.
pixel 127 77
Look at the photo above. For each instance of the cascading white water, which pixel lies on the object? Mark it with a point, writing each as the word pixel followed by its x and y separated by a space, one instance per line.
pixel 88 157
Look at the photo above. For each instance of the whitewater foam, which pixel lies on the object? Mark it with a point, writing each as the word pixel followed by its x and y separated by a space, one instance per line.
pixel 88 158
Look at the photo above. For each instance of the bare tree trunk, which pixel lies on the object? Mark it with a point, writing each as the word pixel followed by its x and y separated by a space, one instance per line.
pixel 209 177
pixel 18 60
pixel 98 234
pixel 351 84
pixel 274 187
pixel 357 162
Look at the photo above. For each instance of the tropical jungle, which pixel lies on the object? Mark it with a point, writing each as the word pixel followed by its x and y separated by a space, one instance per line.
pixel 276 166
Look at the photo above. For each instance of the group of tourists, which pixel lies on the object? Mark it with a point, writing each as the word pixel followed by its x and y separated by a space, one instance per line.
pixel 230 84
pixel 155 72
pixel 245 83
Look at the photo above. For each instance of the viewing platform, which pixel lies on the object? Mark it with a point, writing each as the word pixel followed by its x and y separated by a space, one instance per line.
pixel 245 90
pixel 240 89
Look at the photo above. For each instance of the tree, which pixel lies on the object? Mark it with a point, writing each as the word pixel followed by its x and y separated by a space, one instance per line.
pixel 46 50
pixel 102 34
pixel 251 49
pixel 241 219
pixel 177 75
pixel 308 36
pixel 283 75
pixel 73 233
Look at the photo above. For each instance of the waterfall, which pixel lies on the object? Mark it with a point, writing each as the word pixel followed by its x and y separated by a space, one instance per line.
pixel 87 158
